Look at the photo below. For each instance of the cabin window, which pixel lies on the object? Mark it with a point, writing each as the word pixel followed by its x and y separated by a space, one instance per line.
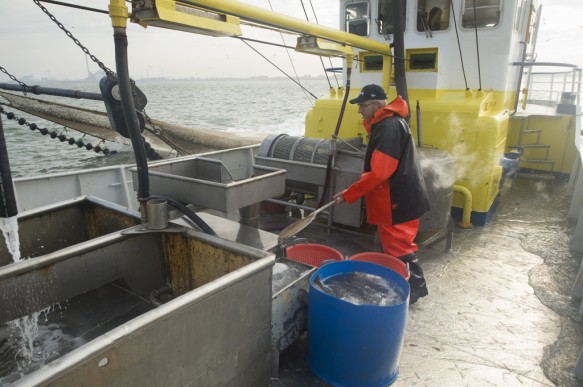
pixel 385 20
pixel 481 13
pixel 421 59
pixel 433 15
pixel 370 62
pixel 357 18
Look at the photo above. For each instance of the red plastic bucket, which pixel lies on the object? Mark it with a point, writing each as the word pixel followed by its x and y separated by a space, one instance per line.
pixel 385 260
pixel 313 254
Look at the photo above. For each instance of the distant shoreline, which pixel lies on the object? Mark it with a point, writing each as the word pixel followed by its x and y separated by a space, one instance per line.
pixel 30 81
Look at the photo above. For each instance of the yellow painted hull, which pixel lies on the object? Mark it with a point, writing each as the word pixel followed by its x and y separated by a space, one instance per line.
pixel 471 126
pixel 557 131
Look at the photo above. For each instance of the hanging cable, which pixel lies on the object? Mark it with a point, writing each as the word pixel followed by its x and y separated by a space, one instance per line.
pixel 76 6
pixel 139 98
pixel 290 58
pixel 477 46
pixel 245 40
pixel 329 59
pixel 264 42
pixel 77 42
pixel 458 44
pixel 283 72
pixel 321 60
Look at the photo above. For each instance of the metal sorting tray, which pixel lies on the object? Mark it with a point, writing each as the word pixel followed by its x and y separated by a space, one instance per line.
pixel 224 181
pixel 150 309
pixel 47 229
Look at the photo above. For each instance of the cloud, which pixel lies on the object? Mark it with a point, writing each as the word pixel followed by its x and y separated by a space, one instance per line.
pixel 558 32
pixel 39 48
pixel 33 45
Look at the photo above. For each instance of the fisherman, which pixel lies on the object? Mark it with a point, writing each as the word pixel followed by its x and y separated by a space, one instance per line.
pixel 391 183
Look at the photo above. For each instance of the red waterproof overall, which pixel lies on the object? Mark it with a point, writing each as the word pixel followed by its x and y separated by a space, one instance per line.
pixel 391 183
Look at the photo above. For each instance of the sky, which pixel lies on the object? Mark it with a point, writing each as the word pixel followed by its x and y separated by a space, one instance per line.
pixel 32 45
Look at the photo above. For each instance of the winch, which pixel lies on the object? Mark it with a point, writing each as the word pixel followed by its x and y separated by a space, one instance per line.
pixel 305 160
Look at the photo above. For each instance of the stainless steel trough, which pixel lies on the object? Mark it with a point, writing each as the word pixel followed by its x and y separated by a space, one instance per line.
pixel 164 308
pixel 224 180
pixel 290 302
pixel 54 227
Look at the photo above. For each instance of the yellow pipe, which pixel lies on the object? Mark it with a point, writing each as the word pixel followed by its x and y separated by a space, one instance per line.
pixel 349 61
pixel 118 13
pixel 278 20
pixel 467 211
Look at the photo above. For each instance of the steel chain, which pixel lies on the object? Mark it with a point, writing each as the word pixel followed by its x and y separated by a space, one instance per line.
pixel 156 130
pixel 101 65
pixel 24 86
pixel 61 137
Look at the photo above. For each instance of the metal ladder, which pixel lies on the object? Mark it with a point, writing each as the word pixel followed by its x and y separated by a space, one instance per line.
pixel 532 148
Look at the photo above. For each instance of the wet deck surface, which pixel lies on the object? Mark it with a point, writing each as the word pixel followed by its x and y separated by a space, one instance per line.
pixel 499 310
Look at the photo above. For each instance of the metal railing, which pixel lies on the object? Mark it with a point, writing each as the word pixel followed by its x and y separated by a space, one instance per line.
pixel 560 82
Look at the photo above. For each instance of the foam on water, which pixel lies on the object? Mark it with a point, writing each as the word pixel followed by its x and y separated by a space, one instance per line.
pixel 9 227
pixel 28 343
pixel 283 274
pixel 23 333
pixel 362 289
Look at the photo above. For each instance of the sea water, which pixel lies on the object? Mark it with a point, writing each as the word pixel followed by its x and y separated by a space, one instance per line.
pixel 243 106
pixel 254 106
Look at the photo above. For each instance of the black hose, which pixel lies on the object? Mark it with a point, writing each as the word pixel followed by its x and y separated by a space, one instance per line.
pixel 8 206
pixel 189 214
pixel 334 138
pixel 399 54
pixel 129 112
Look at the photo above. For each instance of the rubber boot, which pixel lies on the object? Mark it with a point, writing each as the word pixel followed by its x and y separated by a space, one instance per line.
pixel 416 279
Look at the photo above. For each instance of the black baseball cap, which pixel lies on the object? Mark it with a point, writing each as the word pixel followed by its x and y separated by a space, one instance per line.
pixel 370 92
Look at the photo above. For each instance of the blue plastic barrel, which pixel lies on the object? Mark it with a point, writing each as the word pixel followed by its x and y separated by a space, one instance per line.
pixel 355 345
